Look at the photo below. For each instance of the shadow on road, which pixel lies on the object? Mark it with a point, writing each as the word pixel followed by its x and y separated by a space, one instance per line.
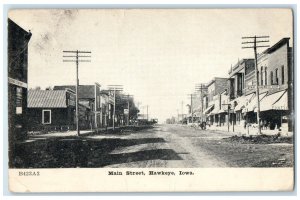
pixel 70 152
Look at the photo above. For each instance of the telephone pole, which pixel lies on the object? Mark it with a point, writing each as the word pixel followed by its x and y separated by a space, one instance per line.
pixel 77 55
pixel 181 111
pixel 254 42
pixel 128 107
pixel 228 114
pixel 192 112
pixel 200 88
pixel 115 88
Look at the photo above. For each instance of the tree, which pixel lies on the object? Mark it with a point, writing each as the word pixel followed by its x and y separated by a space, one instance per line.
pixel 122 103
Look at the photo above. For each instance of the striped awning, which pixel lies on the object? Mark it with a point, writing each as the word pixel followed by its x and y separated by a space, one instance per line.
pixel 275 101
pixel 253 104
pixel 209 109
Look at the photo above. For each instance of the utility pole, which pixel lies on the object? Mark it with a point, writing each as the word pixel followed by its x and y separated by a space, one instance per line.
pixel 192 112
pixel 115 88
pixel 128 107
pixel 254 47
pixel 77 54
pixel 228 114
pixel 201 87
pixel 181 111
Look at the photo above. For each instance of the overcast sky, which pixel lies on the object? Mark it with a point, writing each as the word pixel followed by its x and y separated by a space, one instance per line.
pixel 158 55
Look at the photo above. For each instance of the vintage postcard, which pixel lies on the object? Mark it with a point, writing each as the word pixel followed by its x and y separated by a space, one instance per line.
pixel 148 100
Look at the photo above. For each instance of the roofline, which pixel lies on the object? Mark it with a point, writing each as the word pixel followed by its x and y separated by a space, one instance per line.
pixel 276 46
pixel 28 32
pixel 214 80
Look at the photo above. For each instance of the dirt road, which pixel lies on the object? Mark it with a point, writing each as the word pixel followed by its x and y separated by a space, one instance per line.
pixel 170 146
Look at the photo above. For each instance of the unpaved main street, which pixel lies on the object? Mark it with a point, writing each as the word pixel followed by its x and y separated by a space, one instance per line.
pixel 168 146
pixel 182 146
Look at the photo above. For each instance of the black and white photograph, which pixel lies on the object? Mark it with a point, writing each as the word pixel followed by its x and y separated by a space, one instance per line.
pixel 151 93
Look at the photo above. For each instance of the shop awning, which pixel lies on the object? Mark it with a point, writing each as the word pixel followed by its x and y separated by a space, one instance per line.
pixel 252 104
pixel 275 101
pixel 215 111
pixel 242 101
pixel 209 109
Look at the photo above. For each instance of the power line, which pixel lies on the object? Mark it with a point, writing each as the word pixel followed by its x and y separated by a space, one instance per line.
pixel 115 88
pixel 76 56
pixel 255 46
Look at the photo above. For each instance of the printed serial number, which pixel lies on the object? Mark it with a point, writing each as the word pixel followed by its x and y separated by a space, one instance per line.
pixel 29 173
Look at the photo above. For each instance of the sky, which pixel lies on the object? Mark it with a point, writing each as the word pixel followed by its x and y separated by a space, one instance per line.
pixel 157 55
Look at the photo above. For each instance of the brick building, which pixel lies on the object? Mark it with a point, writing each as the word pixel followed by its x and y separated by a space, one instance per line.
pixel 216 96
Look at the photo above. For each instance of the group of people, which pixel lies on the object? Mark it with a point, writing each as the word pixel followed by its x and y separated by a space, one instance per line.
pixel 264 124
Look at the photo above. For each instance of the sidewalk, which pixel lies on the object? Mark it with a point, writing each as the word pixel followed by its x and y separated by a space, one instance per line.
pixel 240 130
pixel 88 132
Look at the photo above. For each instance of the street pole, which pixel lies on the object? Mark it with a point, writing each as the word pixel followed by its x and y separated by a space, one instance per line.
pixel 228 114
pixel 128 106
pixel 201 87
pixel 128 111
pixel 77 83
pixel 255 41
pixel 77 56
pixel 115 88
pixel 228 117
pixel 192 113
pixel 232 122
pixel 114 111
pixel 181 111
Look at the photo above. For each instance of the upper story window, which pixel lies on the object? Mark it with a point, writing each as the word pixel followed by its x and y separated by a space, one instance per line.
pixel 271 77
pixel 261 76
pixel 276 76
pixel 282 74
pixel 266 76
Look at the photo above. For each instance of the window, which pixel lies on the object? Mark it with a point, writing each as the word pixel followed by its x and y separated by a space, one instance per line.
pixel 266 79
pixel 258 77
pixel 261 76
pixel 276 76
pixel 46 117
pixel 271 75
pixel 282 74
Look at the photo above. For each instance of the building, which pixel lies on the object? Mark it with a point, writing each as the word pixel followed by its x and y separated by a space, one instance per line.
pixel 241 74
pixel 89 96
pixel 18 40
pixel 107 103
pixel 217 90
pixel 275 74
pixel 198 102
pixel 275 81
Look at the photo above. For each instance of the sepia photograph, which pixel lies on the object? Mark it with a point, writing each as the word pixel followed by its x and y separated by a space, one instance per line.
pixel 175 94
